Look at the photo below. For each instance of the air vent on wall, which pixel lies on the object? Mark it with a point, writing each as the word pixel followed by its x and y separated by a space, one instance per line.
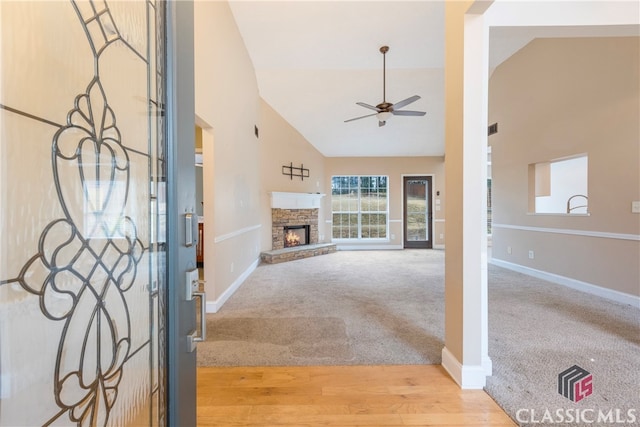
pixel 493 129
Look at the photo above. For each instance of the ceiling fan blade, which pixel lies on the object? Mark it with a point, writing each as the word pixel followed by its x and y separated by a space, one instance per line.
pixel 380 124
pixel 408 113
pixel 407 101
pixel 371 107
pixel 361 117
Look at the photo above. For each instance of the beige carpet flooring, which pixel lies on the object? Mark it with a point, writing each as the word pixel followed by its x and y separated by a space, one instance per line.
pixel 346 308
pixel 386 307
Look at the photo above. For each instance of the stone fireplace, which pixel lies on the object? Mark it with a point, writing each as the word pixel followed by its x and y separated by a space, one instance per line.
pixel 294 227
pixel 303 223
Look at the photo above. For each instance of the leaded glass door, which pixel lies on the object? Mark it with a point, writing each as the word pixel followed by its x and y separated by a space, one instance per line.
pixel 82 202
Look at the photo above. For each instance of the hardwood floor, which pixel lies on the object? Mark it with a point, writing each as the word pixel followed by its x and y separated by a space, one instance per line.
pixel 341 396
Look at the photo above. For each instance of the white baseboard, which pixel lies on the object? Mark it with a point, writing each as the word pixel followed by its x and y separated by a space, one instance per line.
pixel 468 377
pixel 375 247
pixel 214 306
pixel 366 247
pixel 487 365
pixel 578 285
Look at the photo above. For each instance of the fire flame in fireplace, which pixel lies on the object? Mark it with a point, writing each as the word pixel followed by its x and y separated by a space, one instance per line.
pixel 291 239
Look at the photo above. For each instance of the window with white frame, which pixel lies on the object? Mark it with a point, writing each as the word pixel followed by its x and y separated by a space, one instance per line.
pixel 360 206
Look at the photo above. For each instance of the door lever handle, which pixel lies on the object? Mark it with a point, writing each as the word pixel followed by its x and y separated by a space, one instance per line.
pixel 193 291
pixel 193 338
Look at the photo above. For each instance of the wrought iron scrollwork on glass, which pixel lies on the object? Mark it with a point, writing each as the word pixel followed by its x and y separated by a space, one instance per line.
pixel 87 261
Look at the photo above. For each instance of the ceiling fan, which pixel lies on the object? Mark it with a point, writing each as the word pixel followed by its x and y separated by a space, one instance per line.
pixel 385 109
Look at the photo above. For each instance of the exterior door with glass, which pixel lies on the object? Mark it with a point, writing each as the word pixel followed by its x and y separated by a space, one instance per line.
pixel 83 203
pixel 417 212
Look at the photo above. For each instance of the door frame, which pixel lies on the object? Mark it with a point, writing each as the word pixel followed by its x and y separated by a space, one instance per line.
pixel 428 244
pixel 180 115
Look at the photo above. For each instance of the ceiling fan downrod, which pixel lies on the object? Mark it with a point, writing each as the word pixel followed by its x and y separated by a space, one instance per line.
pixel 384 50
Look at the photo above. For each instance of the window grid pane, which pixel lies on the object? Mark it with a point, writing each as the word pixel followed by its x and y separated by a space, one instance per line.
pixel 359 207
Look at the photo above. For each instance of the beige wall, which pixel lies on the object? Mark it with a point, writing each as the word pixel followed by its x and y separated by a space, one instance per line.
pixel 394 168
pixel 279 145
pixel 557 98
pixel 454 105
pixel 227 106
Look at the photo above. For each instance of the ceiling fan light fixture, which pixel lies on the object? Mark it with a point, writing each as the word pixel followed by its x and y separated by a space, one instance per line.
pixel 383 116
pixel 385 109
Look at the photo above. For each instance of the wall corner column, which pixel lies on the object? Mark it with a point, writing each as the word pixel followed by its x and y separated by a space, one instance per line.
pixel 465 355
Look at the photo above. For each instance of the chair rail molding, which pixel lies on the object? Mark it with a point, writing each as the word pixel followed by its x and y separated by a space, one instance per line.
pixel 587 233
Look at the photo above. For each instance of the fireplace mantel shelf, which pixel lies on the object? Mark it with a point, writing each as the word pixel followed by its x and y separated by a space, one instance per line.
pixel 284 200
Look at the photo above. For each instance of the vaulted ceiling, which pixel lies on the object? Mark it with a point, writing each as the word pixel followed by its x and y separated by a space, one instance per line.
pixel 315 59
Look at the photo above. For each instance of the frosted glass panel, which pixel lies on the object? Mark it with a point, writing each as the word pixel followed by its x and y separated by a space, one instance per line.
pixel 82 272
pixel 417 209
